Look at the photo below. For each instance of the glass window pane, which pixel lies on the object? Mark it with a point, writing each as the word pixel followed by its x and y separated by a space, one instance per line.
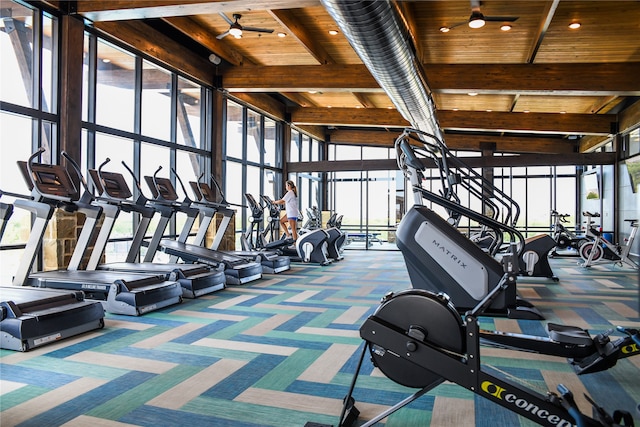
pixel 294 150
pixel 189 111
pixel 270 138
pixel 85 78
pixel 16 135
pixel 315 150
pixel 234 130
pixel 115 87
pixel 306 146
pixel 49 63
pixel 188 169
pixel 156 102
pixel 254 137
pixel 16 78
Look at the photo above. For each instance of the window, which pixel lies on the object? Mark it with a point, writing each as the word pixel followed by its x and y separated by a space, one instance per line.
pixel 28 120
pixel 149 117
pixel 253 147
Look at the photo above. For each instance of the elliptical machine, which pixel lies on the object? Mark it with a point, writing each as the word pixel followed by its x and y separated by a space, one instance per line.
pixel 311 247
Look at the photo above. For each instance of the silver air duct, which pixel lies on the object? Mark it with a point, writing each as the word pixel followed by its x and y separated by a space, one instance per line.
pixel 381 39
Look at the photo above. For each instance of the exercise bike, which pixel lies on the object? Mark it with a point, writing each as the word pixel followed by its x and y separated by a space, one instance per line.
pixel 565 238
pixel 418 339
pixel 601 251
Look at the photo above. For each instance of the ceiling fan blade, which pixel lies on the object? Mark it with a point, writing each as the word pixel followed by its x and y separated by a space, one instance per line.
pixel 223 35
pixel 258 30
pixel 226 18
pixel 501 18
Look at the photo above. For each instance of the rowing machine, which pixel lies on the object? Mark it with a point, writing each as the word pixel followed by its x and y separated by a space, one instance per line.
pixel 418 339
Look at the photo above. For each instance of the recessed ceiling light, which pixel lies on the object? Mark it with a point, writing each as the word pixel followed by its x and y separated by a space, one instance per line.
pixel 563 112
pixel 282 35
pixel 313 91
pixel 506 27
pixel 525 111
pixel 489 110
pixel 455 109
pixel 333 32
pixel 575 25
pixel 473 94
pixel 445 29
pixel 106 60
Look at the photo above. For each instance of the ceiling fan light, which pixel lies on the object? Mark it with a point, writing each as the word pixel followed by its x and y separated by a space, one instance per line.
pixel 235 32
pixel 476 20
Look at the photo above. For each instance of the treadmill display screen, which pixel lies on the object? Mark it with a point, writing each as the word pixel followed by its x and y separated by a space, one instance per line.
pixel 164 187
pixel 52 180
pixel 112 183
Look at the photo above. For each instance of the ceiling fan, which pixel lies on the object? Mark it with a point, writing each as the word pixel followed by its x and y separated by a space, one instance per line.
pixel 478 19
pixel 235 29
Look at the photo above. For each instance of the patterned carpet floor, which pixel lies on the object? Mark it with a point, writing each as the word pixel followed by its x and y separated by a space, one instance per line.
pixel 282 351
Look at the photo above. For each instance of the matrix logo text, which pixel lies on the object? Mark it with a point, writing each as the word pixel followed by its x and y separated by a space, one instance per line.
pixel 448 253
pixel 503 394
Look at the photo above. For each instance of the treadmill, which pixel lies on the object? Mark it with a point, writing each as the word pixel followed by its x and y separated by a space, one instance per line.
pixel 120 293
pixel 196 279
pixel 31 318
pixel 272 262
pixel 238 270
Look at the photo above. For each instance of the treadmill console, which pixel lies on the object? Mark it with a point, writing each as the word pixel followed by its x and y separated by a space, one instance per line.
pixel 50 180
pixel 202 189
pixel 164 187
pixel 114 184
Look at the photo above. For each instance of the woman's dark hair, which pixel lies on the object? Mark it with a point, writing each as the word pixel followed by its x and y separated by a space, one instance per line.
pixel 293 187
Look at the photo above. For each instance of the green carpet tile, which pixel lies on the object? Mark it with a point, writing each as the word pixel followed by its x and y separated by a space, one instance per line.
pixel 282 352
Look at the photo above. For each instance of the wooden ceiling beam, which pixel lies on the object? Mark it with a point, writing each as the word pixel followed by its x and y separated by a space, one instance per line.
pixel 119 10
pixel 300 78
pixel 574 159
pixel 630 117
pixel 155 44
pixel 530 79
pixel 498 143
pixel 546 123
pixel 299 31
pixel 376 117
pixel 263 104
pixel 203 36
pixel 571 124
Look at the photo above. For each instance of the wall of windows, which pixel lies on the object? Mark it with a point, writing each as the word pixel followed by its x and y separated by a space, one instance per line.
pixel 253 160
pixel 133 111
pixel 305 149
pixel 28 111
pixel 371 202
pixel 150 118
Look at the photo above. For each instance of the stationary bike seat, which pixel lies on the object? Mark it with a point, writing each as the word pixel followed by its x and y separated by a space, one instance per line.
pixel 569 334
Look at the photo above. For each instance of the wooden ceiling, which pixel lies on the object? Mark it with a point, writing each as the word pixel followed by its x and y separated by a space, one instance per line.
pixel 540 87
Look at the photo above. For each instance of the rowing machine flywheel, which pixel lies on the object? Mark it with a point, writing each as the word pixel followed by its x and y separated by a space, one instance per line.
pixel 420 315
